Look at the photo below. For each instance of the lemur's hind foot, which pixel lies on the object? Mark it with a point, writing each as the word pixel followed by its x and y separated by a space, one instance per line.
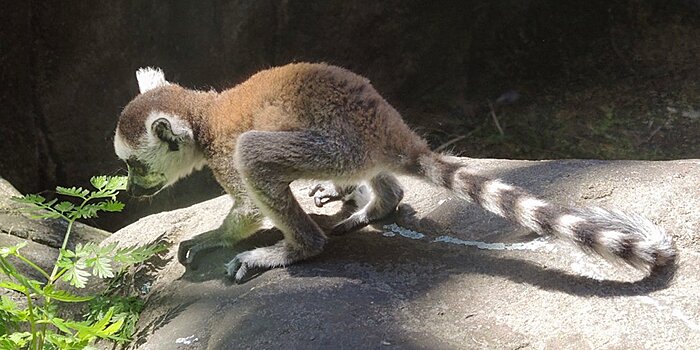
pixel 329 192
pixel 383 195
pixel 249 264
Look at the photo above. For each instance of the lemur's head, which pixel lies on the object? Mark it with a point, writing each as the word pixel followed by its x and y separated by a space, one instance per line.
pixel 154 135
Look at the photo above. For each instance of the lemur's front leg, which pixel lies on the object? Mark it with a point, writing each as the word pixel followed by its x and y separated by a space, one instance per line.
pixel 243 220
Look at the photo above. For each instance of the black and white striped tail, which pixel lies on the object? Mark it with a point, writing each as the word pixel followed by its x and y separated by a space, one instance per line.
pixel 614 235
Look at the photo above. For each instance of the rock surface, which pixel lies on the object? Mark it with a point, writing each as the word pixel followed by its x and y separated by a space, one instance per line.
pixel 447 275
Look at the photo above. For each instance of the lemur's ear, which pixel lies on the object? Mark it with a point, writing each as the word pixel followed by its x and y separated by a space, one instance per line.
pixel 150 78
pixel 163 130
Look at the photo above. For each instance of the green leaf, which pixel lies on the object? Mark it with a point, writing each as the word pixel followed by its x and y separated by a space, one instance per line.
pixel 10 315
pixel 7 268
pixel 88 211
pixel 112 206
pixel 17 316
pixel 20 336
pixel 66 254
pixel 117 183
pixel 99 182
pixel 11 250
pixel 101 328
pixel 7 344
pixel 101 267
pixel 64 206
pixel 102 323
pixel 29 199
pixel 13 286
pixel 7 304
pixel 85 331
pixel 36 208
pixel 84 250
pixel 107 249
pixel 114 327
pixel 65 342
pixel 15 340
pixel 91 210
pixel 73 191
pixel 62 295
pixel 61 325
pixel 112 188
pixel 76 274
pixel 135 255
pixel 46 215
pixel 25 284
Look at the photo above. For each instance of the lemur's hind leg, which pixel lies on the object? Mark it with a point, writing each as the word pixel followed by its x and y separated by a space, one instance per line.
pixel 268 162
pixel 386 193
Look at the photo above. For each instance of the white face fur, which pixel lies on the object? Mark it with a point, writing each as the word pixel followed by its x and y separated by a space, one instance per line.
pixel 165 152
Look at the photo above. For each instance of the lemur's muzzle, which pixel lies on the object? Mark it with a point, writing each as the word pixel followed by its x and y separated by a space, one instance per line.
pixel 145 186
pixel 138 191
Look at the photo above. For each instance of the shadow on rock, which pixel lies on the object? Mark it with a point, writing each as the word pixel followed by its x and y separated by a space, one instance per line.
pixel 370 248
pixel 155 324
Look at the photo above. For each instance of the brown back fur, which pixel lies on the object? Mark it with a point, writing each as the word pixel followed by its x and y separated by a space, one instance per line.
pixel 313 97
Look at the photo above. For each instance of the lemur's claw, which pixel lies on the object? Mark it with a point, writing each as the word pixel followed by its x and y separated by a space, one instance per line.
pixel 242 268
pixel 186 253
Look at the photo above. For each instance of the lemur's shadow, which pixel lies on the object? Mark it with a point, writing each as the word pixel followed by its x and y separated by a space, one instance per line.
pixel 369 248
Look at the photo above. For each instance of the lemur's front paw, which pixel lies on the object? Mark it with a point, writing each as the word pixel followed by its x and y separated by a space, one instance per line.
pixel 188 251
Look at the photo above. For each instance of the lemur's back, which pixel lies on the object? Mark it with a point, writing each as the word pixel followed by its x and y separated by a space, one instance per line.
pixel 315 96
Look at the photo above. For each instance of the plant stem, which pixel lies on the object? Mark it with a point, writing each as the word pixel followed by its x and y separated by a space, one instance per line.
pixel 63 247
pixel 36 267
pixel 60 273
pixel 52 277
pixel 32 322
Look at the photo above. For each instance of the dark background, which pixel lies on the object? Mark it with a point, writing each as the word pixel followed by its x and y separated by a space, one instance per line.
pixel 594 79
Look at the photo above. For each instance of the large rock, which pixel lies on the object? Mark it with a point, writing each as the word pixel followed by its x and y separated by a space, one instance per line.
pixel 442 275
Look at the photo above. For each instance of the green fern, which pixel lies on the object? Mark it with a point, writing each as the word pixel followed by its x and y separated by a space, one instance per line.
pixel 76 267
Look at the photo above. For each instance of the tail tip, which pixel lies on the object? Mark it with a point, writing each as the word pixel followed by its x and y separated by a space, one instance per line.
pixel 653 248
pixel 631 238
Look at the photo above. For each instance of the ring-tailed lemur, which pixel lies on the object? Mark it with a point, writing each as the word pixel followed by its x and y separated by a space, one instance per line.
pixel 323 122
